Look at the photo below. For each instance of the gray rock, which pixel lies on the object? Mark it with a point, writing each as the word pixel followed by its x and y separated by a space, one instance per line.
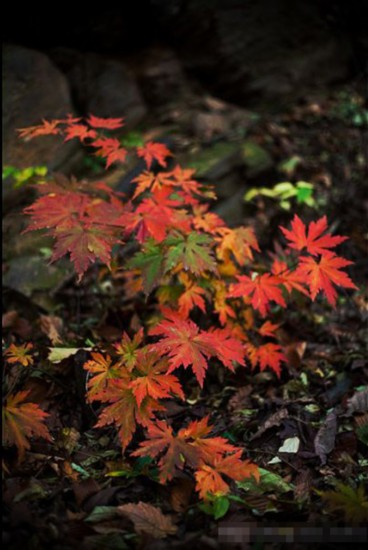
pixel 105 87
pixel 33 89
pixel 266 52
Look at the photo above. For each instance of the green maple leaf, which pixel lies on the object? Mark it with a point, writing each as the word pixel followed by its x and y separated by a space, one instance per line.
pixel 193 251
pixel 150 262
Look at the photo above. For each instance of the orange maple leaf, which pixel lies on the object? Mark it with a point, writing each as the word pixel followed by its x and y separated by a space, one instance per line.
pixel 151 378
pixel 44 129
pixel 268 355
pixel 154 151
pixel 324 275
pixel 149 180
pixel 239 242
pixel 190 298
pixel 21 421
pixel 102 370
pixel 313 242
pixel 209 478
pixel 20 354
pixel 289 279
pixel 123 410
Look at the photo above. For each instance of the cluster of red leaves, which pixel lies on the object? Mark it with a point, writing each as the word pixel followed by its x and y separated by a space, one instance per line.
pixel 210 457
pixel 190 261
pixel 132 381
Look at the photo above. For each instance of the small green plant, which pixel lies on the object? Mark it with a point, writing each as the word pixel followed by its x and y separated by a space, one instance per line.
pixel 302 191
pixel 19 177
pixel 350 108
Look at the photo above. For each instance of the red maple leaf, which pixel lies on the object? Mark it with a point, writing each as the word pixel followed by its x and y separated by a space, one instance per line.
pixel 56 210
pixel 82 225
pixel 85 243
pixel 187 345
pixel 197 433
pixel 154 151
pixel 268 329
pixel 313 242
pixel 149 180
pixel 110 149
pixel 324 275
pixel 80 131
pixel 268 355
pixel 264 289
pixel 106 123
pixel 44 129
pixel 175 450
pixel 289 279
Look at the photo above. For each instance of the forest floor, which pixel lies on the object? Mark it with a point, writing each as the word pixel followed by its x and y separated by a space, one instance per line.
pixel 307 431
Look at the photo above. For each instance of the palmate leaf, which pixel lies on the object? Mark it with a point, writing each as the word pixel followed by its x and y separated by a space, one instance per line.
pixel 80 131
pixel 240 242
pixel 193 296
pixel 209 476
pixel 85 227
pixel 154 151
pixel 85 243
pixel 21 421
pixel 175 451
pixel 128 349
pixel 148 519
pixel 123 410
pixel 102 370
pixel 323 275
pixel 192 447
pixel 187 345
pixel 106 123
pixel 192 252
pixel 152 378
pixel 20 354
pixel 150 262
pixel 268 355
pixel 263 289
pixel 353 503
pixel 299 238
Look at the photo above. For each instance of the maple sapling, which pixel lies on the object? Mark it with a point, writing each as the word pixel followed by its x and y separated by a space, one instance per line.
pixel 209 303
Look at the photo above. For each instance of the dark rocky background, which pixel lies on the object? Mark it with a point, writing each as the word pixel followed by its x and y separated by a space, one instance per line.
pixel 250 93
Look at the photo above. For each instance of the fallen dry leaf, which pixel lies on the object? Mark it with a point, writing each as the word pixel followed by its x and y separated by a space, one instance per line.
pixel 358 402
pixel 274 420
pixel 52 326
pixel 325 439
pixel 180 494
pixel 148 519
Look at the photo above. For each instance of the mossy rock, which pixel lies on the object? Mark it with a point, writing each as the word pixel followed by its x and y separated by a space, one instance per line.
pixel 215 161
pixel 256 159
